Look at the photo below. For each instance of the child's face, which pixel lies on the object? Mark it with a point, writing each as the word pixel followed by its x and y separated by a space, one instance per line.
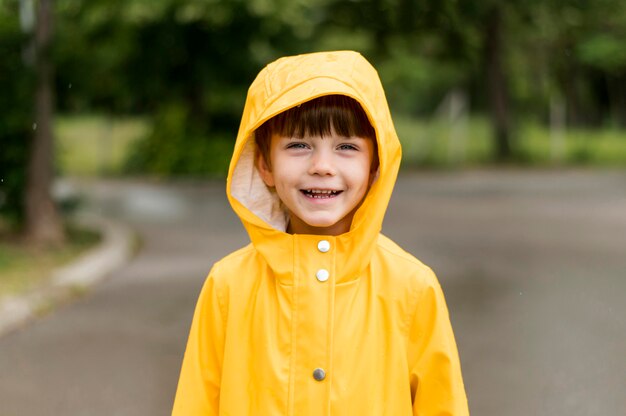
pixel 321 180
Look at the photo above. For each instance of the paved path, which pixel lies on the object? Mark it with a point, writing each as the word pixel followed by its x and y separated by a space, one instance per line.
pixel 533 266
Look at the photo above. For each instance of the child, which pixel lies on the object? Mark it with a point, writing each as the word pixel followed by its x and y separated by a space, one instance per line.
pixel 321 314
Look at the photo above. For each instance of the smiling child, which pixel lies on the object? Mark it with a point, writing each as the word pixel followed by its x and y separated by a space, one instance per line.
pixel 321 314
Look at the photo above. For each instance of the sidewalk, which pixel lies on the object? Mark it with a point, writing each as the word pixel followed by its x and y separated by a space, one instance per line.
pixel 115 249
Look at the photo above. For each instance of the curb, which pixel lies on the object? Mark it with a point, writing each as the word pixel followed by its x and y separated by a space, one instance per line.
pixel 115 250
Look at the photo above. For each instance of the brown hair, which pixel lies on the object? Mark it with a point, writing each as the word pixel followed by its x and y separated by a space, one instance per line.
pixel 317 117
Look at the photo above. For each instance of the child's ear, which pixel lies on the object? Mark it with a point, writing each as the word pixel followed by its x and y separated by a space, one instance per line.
pixel 264 170
pixel 374 175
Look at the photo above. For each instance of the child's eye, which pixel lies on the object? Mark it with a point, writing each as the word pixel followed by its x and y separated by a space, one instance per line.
pixel 296 145
pixel 347 146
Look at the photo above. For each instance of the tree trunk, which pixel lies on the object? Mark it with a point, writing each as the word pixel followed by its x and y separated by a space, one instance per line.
pixel 617 99
pixel 380 28
pixel 497 84
pixel 43 223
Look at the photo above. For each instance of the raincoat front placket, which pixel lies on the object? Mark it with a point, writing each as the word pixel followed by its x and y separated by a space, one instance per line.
pixel 312 332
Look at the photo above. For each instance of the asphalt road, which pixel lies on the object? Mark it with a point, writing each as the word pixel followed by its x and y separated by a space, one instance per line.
pixel 533 265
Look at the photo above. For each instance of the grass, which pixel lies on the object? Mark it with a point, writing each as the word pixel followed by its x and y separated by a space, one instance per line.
pixel 92 145
pixel 23 267
pixel 596 147
pixel 436 143
pixel 433 143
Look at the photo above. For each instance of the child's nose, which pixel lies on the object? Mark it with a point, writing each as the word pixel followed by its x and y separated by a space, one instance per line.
pixel 321 164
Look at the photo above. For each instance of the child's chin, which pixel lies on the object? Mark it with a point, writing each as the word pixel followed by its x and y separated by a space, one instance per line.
pixel 322 223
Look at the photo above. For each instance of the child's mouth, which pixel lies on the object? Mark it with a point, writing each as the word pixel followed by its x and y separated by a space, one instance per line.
pixel 320 193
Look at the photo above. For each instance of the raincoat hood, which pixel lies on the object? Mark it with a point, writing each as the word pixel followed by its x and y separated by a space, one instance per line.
pixel 284 84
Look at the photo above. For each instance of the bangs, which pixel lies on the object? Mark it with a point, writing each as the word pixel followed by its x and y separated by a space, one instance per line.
pixel 319 117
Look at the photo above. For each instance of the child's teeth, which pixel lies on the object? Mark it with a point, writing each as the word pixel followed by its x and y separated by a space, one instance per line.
pixel 321 193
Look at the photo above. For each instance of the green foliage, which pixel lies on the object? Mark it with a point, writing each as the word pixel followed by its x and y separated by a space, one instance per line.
pixel 603 51
pixel 187 64
pixel 183 67
pixel 16 119
pixel 175 148
pixel 414 84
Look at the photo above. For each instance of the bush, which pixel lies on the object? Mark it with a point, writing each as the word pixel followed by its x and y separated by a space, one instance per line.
pixel 175 147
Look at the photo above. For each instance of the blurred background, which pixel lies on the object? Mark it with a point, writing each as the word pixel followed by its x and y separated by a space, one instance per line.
pixel 157 87
pixel 507 102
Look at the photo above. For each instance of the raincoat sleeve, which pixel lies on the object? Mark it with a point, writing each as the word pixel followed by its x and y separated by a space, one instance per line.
pixel 198 390
pixel 436 381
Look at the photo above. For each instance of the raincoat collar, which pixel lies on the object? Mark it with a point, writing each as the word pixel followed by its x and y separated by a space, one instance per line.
pixel 287 83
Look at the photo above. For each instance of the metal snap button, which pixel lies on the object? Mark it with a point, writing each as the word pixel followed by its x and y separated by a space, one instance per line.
pixel 323 246
pixel 319 374
pixel 322 275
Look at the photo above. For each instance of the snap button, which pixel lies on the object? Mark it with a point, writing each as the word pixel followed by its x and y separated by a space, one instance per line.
pixel 322 275
pixel 323 246
pixel 319 374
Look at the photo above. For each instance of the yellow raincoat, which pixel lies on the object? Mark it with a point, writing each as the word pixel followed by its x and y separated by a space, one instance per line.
pixel 269 338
